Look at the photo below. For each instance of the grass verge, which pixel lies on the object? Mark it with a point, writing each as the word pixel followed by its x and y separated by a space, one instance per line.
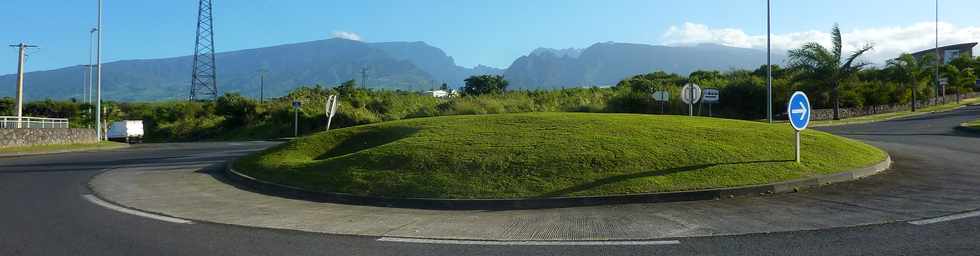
pixel 551 155
pixel 55 148
pixel 972 126
pixel 895 115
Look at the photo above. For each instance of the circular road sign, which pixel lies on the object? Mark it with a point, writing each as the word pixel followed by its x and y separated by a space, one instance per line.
pixel 690 90
pixel 799 111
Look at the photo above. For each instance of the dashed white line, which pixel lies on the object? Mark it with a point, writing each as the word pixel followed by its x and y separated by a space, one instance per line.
pixel 100 202
pixel 946 218
pixel 527 243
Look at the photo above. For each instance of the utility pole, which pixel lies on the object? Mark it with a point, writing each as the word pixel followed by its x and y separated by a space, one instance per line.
pixel 98 77
pixel 262 87
pixel 21 49
pixel 769 60
pixel 91 50
pixel 364 71
pixel 939 91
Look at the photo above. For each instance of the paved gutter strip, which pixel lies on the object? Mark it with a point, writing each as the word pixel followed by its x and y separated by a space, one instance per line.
pixel 269 188
pixel 529 243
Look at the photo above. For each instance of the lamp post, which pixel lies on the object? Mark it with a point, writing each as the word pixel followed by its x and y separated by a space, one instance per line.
pixel 769 60
pixel 98 79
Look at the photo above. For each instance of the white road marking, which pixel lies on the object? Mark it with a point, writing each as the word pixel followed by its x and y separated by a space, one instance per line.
pixel 100 202
pixel 527 243
pixel 946 218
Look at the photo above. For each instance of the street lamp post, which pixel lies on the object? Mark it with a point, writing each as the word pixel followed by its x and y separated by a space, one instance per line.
pixel 769 60
pixel 98 79
pixel 939 91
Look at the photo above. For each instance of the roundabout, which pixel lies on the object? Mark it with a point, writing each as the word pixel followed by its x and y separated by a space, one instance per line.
pixel 925 204
pixel 552 155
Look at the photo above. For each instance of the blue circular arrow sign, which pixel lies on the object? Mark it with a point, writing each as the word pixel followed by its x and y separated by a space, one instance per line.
pixel 799 111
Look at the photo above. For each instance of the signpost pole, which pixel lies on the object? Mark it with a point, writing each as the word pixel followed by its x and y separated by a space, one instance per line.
pixel 690 103
pixel 797 147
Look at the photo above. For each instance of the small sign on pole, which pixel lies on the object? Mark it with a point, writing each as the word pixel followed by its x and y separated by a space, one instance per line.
pixel 799 116
pixel 710 97
pixel 331 109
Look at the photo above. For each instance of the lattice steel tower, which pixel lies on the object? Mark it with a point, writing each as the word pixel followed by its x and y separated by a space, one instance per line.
pixel 204 82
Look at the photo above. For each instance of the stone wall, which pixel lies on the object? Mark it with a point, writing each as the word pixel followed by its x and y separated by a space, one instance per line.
pixel 33 137
pixel 827 114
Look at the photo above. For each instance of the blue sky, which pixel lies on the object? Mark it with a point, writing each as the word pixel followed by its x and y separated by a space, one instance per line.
pixel 475 32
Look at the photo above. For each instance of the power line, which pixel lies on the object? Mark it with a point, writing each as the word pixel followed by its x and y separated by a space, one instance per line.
pixel 21 48
pixel 204 82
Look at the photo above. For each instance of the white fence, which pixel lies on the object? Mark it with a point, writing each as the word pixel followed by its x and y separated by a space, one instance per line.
pixel 11 122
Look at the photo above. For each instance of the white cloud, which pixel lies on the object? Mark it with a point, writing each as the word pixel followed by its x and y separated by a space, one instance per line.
pixel 889 42
pixel 347 35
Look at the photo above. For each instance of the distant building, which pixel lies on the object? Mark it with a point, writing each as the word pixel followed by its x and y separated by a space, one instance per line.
pixel 437 94
pixel 949 52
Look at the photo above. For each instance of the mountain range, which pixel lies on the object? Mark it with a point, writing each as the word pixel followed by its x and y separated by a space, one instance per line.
pixel 388 65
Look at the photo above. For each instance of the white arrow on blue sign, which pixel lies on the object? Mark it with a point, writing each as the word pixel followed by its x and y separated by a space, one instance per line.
pixel 799 111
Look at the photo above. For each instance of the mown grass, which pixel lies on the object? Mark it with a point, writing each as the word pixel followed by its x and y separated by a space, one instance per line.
pixel 550 155
pixel 61 148
pixel 896 115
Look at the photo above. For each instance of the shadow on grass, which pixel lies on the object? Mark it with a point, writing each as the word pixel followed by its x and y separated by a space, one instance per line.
pixel 626 177
pixel 367 140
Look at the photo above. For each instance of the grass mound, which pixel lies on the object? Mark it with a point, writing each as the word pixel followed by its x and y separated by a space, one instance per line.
pixel 550 155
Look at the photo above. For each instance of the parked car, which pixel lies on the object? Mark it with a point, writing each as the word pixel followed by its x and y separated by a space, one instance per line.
pixel 128 131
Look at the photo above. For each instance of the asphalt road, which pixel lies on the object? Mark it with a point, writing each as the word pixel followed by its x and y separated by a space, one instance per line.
pixel 44 213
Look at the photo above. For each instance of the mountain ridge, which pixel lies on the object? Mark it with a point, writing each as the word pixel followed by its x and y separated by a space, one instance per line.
pixel 390 65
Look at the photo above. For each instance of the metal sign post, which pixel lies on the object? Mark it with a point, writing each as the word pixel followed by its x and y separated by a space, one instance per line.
pixel 710 97
pixel 296 105
pixel 662 97
pixel 331 109
pixel 799 116
pixel 691 94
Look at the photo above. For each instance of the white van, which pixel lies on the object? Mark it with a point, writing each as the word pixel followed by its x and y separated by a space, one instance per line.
pixel 128 131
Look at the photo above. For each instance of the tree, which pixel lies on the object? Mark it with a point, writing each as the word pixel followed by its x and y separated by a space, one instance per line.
pixel 912 72
pixel 485 84
pixel 237 110
pixel 828 66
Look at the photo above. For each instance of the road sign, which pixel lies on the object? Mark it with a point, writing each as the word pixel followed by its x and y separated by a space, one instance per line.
pixel 330 109
pixel 297 104
pixel 711 96
pixel 799 111
pixel 661 96
pixel 689 92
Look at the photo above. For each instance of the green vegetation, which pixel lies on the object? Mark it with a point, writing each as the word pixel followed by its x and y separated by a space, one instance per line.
pixel 827 67
pixel 551 154
pixel 485 84
pixel 54 148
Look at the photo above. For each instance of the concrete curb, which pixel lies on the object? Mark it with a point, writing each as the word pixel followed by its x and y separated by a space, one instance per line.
pixel 62 151
pixel 269 188
pixel 963 128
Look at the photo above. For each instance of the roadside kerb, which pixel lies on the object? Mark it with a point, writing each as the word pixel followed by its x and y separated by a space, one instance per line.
pixel 269 188
pixel 8 155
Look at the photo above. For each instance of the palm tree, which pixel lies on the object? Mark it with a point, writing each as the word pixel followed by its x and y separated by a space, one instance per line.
pixel 911 71
pixel 827 66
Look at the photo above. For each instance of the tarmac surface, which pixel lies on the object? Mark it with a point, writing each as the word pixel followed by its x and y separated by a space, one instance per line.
pixel 51 210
